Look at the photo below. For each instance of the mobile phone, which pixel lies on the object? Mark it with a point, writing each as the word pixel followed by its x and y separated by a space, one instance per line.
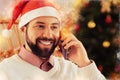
pixel 63 51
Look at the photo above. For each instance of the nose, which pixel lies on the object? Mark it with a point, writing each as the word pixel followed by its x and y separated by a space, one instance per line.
pixel 47 33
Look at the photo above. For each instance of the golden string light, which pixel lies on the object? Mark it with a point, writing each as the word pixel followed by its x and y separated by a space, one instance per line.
pixel 91 24
pixel 106 44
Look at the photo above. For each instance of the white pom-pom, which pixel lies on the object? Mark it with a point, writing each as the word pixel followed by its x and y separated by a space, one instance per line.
pixel 7 33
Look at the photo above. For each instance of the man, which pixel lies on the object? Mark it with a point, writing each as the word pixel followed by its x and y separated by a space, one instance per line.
pixel 41 23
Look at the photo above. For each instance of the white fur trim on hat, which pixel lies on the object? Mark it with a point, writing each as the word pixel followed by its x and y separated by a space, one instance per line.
pixel 42 11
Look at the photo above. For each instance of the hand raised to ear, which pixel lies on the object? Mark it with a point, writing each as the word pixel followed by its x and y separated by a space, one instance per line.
pixel 77 53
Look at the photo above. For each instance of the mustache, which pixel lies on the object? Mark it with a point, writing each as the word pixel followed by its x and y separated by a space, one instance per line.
pixel 46 39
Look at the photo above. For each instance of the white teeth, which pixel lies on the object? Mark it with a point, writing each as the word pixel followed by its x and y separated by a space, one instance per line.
pixel 45 42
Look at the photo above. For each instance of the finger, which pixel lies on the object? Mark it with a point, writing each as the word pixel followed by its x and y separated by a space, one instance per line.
pixel 66 41
pixel 70 44
pixel 68 38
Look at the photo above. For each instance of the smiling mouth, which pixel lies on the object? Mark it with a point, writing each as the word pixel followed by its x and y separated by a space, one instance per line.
pixel 46 43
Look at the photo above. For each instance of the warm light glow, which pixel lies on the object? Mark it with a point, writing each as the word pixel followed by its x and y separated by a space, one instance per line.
pixel 2 43
pixel 6 8
pixel 78 3
pixel 91 24
pixel 7 33
pixel 106 44
pixel 2 40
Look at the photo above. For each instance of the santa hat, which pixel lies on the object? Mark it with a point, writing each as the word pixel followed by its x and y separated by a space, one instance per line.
pixel 30 9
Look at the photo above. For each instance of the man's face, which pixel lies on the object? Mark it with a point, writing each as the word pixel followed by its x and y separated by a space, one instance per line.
pixel 42 35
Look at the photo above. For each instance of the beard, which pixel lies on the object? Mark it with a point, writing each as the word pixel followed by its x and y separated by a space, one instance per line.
pixel 41 52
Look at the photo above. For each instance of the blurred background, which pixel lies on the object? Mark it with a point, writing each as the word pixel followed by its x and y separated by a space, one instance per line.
pixel 94 22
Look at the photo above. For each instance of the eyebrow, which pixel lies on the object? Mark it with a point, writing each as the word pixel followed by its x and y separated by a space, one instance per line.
pixel 40 22
pixel 44 23
pixel 55 23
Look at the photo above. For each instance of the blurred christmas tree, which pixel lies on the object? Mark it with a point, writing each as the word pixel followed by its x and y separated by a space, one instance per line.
pixel 97 28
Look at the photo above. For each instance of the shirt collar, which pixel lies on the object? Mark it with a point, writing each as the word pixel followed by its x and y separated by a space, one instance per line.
pixel 31 58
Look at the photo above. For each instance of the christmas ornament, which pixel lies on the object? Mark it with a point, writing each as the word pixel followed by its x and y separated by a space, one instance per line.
pixel 91 24
pixel 108 19
pixel 105 6
pixel 106 44
pixel 86 3
pixel 77 27
pixel 100 67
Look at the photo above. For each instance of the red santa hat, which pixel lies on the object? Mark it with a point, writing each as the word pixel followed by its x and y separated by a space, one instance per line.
pixel 30 9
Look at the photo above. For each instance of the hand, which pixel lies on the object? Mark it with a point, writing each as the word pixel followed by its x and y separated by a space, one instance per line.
pixel 77 53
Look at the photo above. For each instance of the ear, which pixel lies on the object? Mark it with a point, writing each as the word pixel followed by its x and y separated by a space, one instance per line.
pixel 23 29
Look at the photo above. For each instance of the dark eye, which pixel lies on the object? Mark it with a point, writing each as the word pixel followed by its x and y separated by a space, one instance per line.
pixel 54 27
pixel 40 26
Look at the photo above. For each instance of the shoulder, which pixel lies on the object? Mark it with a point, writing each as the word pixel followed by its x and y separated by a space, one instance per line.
pixel 8 61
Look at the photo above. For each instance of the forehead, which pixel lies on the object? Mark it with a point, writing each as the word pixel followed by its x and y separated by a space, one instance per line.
pixel 46 19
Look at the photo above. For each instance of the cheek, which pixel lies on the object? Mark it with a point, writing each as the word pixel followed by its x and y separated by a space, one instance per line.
pixel 57 36
pixel 32 36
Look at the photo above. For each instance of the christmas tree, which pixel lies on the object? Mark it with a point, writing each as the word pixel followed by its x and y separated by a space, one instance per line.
pixel 97 28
